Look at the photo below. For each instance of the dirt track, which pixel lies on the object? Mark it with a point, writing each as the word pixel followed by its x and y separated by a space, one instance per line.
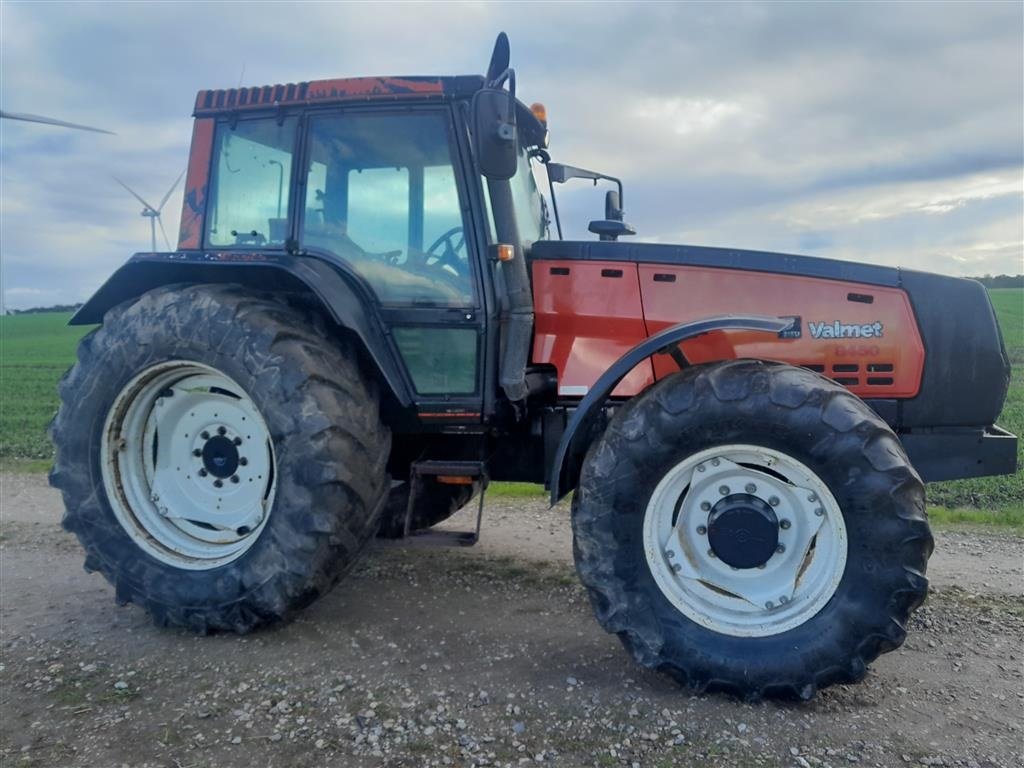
pixel 483 656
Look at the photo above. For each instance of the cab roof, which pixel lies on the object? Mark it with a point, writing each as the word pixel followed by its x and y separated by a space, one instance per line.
pixel 213 102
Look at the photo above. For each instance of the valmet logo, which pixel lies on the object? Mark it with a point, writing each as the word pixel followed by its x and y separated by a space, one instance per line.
pixel 838 330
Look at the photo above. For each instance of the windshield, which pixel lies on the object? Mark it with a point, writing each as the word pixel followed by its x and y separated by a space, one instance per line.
pixel 528 203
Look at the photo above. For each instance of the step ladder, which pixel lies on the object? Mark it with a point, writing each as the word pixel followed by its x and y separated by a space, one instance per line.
pixel 439 470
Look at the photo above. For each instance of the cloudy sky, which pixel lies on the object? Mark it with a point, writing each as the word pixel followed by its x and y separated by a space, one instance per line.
pixel 883 133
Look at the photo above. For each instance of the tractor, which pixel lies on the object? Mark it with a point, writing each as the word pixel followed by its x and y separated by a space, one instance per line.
pixel 371 314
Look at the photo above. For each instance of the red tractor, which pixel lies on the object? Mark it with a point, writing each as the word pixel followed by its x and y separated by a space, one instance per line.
pixel 370 315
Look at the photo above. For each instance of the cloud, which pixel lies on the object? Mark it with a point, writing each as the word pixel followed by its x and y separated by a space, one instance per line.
pixel 879 133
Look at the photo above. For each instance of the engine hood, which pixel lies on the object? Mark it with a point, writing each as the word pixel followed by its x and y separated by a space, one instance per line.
pixel 966 371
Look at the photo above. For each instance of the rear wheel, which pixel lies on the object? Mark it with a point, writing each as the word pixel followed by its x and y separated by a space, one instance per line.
pixel 752 527
pixel 221 459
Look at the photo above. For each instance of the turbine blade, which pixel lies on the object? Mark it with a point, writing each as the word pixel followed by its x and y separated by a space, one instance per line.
pixel 169 191
pixel 133 194
pixel 52 121
pixel 163 232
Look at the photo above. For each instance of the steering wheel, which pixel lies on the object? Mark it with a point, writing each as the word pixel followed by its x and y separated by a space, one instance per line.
pixel 449 257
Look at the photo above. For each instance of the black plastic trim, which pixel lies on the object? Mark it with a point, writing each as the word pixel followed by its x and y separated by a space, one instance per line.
pixel 966 370
pixel 954 454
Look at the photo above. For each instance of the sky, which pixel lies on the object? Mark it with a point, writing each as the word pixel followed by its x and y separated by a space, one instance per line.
pixel 884 133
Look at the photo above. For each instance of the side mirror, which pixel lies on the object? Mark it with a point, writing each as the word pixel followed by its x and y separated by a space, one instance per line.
pixel 612 227
pixel 495 137
pixel 612 205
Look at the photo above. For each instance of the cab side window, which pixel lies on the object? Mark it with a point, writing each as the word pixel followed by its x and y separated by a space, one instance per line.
pixel 381 193
pixel 249 190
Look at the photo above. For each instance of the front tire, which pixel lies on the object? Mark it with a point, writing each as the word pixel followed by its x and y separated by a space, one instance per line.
pixel 752 527
pixel 221 458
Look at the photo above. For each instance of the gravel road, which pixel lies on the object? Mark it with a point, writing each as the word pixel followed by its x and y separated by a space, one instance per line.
pixel 485 656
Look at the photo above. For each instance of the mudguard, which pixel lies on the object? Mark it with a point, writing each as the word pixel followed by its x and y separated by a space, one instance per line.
pixel 566 468
pixel 341 294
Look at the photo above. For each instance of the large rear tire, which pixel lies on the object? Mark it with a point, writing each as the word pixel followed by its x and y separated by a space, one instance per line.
pixel 752 527
pixel 221 458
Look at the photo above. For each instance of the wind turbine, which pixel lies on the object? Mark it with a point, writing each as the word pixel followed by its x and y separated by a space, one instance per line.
pixel 51 121
pixel 153 214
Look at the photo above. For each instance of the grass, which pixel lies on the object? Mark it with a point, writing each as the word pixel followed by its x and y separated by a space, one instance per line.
pixel 36 349
pixel 1010 517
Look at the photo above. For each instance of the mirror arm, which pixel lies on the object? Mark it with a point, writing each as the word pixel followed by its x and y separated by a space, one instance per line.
pixel 562 173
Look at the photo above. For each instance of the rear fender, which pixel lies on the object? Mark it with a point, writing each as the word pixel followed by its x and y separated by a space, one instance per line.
pixel 565 471
pixel 339 294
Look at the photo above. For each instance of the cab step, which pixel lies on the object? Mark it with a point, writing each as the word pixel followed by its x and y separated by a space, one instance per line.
pixel 448 472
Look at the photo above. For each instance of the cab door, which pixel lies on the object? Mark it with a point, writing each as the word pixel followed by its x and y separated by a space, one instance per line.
pixel 384 193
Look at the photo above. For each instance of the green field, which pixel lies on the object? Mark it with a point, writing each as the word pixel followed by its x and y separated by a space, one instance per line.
pixel 36 349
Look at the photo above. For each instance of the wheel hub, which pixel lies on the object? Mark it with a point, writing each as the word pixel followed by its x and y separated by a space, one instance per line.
pixel 220 456
pixel 744 540
pixel 743 531
pixel 190 472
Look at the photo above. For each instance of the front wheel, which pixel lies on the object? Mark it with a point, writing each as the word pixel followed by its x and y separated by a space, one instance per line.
pixel 752 527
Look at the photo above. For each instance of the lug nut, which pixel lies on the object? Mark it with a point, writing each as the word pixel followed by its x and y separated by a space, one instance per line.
pixel 769 605
pixel 724 490
pixel 774 501
pixel 196 452
pixel 702 529
pixel 760 567
pixel 205 435
pixel 670 554
pixel 676 568
pixel 711 554
pixel 750 488
pixel 202 473
pixel 715 462
pixel 242 530
pixel 701 468
pixel 243 461
pixel 154 498
pixel 783 600
pixel 238 441
pixel 819 511
pixel 784 525
pixel 780 549
pixel 813 497
pixel 221 431
pixel 218 483
pixel 705 505
pixel 234 478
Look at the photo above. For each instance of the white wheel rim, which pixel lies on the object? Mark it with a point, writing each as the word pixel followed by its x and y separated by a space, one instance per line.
pixel 787 590
pixel 188 465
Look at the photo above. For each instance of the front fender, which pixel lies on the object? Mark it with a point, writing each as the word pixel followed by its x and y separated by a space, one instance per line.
pixel 565 471
pixel 340 295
